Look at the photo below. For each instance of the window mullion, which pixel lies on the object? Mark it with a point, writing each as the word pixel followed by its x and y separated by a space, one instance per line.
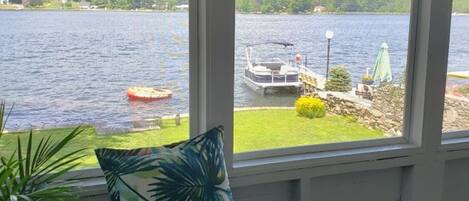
pixel 431 29
pixel 429 73
pixel 213 68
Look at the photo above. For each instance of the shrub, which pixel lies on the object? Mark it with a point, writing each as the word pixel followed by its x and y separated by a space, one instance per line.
pixel 339 80
pixel 310 107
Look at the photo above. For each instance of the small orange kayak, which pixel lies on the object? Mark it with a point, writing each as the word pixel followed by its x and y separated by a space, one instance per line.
pixel 148 93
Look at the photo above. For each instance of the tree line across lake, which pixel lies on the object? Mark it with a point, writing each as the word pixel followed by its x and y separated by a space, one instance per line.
pixel 257 6
pixel 308 6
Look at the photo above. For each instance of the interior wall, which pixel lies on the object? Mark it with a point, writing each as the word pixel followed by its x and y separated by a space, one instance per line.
pixel 278 191
pixel 382 185
pixel 456 180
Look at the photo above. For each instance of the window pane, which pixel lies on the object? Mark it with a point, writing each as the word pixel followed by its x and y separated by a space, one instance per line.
pixel 65 68
pixel 456 115
pixel 283 51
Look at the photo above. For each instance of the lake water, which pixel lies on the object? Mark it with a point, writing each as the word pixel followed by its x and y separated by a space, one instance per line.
pixel 63 68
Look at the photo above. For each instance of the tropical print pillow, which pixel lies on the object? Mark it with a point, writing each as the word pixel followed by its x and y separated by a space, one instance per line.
pixel 193 170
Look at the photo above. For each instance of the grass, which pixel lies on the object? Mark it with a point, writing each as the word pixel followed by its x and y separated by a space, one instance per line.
pixel 254 130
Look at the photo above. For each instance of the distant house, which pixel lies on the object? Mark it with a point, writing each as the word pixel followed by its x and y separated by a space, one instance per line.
pixel 182 7
pixel 85 5
pixel 319 9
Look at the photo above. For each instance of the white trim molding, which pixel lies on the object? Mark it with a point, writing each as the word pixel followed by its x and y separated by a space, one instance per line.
pixel 212 68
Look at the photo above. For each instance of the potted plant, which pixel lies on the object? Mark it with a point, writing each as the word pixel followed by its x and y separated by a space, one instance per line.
pixel 34 170
pixel 366 79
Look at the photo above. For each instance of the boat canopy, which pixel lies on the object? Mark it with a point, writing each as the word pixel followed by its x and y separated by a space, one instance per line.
pixel 285 44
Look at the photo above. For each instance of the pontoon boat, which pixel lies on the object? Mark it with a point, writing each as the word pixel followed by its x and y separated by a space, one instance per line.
pixel 273 73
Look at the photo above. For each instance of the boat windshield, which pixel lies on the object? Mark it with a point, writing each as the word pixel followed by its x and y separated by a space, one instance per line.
pixel 271 53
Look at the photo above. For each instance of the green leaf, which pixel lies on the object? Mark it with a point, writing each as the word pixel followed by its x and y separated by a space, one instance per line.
pixel 4 116
pixel 34 174
pixel 198 173
pixel 117 163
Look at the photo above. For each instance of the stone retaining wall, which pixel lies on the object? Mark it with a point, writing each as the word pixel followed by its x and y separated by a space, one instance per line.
pixel 387 114
pixel 371 118
pixel 456 115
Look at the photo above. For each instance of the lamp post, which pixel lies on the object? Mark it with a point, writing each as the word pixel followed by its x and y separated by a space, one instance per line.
pixel 329 36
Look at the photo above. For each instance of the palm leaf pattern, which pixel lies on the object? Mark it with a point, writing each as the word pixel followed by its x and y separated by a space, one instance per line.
pixel 191 171
pixel 117 163
pixel 197 173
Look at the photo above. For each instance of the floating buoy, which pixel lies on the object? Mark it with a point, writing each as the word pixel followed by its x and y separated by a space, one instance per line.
pixel 148 93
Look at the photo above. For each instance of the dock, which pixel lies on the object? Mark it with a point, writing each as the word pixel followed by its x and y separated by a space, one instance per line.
pixel 311 81
pixel 314 82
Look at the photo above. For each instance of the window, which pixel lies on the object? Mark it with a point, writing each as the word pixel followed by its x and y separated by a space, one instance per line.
pixel 456 113
pixel 78 68
pixel 259 118
pixel 65 68
pixel 352 57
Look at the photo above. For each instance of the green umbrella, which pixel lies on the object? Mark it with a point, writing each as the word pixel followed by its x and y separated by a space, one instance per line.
pixel 382 69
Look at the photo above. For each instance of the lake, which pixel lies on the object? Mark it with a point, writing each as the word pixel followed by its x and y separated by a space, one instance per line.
pixel 63 68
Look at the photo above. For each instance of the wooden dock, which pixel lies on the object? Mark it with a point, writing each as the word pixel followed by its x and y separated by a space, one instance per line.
pixel 316 83
pixel 311 80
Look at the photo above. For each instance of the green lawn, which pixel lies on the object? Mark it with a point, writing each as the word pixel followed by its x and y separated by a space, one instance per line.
pixel 254 130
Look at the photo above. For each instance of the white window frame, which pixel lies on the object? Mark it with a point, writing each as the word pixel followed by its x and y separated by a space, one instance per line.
pixel 426 77
pixel 451 136
pixel 401 140
pixel 404 140
pixel 420 152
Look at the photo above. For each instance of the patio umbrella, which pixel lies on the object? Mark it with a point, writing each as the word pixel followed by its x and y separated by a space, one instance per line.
pixel 382 69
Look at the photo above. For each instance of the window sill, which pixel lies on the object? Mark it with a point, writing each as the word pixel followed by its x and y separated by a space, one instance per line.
pixel 317 148
pixel 325 158
pixel 294 158
pixel 455 141
pixel 455 134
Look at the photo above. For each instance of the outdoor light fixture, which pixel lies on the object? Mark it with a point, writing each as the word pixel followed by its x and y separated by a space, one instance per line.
pixel 329 36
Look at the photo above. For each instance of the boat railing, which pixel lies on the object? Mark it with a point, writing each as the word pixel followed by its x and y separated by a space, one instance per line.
pixel 284 76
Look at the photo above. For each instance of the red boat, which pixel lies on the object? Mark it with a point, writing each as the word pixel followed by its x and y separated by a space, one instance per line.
pixel 148 93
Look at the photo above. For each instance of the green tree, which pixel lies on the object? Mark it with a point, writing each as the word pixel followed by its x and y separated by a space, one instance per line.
pixel 461 6
pixel 339 79
pixel 246 5
pixel 348 5
pixel 299 6
pixel 100 3
pixel 274 6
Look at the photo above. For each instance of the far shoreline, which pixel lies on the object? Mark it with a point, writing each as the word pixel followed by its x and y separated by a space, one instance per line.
pixel 185 11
